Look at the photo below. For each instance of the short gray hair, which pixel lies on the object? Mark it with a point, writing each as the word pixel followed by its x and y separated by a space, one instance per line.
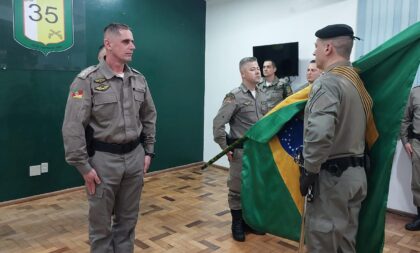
pixel 343 45
pixel 114 28
pixel 246 60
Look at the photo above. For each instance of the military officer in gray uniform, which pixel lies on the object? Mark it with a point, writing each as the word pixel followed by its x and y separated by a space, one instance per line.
pixel 335 124
pixel 241 108
pixel 312 73
pixel 109 136
pixel 410 137
pixel 275 89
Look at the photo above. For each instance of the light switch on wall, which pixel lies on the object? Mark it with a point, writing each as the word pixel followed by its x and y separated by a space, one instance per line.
pixel 34 170
pixel 44 167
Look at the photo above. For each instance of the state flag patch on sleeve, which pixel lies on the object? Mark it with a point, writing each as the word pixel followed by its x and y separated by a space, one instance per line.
pixel 77 94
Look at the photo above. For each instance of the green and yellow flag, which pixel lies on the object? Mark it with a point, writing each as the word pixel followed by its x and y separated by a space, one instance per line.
pixel 270 187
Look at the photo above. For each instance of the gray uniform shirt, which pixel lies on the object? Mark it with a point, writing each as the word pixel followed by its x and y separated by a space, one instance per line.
pixel 118 109
pixel 276 92
pixel 335 122
pixel 411 115
pixel 241 110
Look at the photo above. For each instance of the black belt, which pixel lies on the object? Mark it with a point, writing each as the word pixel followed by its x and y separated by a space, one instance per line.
pixel 116 148
pixel 338 165
pixel 416 136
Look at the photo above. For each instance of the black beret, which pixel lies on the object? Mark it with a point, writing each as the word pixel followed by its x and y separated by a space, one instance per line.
pixel 331 31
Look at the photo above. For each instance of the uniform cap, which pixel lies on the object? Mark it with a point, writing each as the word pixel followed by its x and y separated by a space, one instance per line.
pixel 332 31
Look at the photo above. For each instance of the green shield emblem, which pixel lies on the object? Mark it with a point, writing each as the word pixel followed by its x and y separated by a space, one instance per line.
pixel 43 25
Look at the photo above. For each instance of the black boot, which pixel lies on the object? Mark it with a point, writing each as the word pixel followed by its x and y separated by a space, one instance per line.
pixel 415 224
pixel 249 229
pixel 238 232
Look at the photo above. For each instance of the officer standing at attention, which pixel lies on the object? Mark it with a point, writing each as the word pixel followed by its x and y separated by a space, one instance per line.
pixel 335 124
pixel 275 89
pixel 114 101
pixel 410 137
pixel 241 108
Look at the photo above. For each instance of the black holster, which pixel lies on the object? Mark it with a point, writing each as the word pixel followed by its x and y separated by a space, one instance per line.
pixel 230 141
pixel 414 136
pixel 89 140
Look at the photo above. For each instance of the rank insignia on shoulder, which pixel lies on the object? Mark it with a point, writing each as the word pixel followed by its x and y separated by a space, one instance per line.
pixel 87 71
pixel 100 80
pixel 135 71
pixel 229 98
pixel 77 94
pixel 102 87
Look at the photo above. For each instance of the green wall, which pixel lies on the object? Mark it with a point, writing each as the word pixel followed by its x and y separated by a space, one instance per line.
pixel 169 36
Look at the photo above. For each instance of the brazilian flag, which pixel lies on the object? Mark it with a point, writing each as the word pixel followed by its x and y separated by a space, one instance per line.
pixel 270 195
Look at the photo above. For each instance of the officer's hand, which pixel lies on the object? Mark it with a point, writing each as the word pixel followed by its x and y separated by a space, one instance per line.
pixel 230 156
pixel 306 179
pixel 408 149
pixel 147 161
pixel 91 179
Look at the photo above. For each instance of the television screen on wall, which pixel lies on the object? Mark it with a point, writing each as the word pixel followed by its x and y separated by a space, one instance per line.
pixel 285 55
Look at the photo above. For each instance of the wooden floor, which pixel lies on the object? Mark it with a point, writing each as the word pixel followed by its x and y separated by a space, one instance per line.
pixel 181 211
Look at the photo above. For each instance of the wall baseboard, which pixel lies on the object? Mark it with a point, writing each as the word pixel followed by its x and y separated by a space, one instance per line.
pixel 154 173
pixel 217 167
pixel 55 193
pixel 401 213
pixel 151 174
pixel 39 196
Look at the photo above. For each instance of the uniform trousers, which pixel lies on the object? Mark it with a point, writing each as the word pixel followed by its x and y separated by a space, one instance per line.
pixel 120 189
pixel 415 174
pixel 332 217
pixel 234 180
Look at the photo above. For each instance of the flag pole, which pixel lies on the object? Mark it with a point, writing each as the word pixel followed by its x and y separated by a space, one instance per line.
pixel 225 151
pixel 302 224
pixel 302 229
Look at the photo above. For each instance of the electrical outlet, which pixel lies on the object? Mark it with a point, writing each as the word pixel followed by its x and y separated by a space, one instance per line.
pixel 44 167
pixel 34 170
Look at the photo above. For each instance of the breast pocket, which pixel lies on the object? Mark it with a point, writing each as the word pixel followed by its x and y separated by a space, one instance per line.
pixel 248 108
pixel 248 114
pixel 105 107
pixel 264 107
pixel 139 94
pixel 275 96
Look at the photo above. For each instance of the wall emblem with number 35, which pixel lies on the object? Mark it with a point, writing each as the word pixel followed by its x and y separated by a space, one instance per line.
pixel 44 25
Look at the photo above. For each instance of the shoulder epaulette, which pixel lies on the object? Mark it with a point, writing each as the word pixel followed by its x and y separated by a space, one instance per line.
pixel 136 71
pixel 234 91
pixel 229 98
pixel 87 71
pixel 283 81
